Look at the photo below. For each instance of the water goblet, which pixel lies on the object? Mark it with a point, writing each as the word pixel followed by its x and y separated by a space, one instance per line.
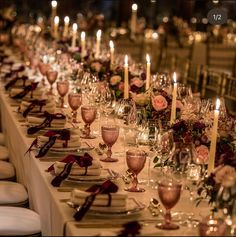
pixel 135 159
pixel 62 88
pixel 169 192
pixel 110 134
pixel 88 114
pixel 43 68
pixel 51 77
pixel 75 101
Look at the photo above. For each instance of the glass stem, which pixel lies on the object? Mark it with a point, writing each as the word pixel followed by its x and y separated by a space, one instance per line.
pixel 87 129
pixel 109 152
pixel 74 116
pixel 62 102
pixel 135 182
pixel 168 216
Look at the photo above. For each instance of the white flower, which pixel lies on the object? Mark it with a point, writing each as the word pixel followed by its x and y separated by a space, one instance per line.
pixel 225 175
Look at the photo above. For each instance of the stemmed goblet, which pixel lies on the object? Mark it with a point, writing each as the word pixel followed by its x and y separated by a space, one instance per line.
pixel 51 77
pixel 110 134
pixel 135 159
pixel 169 192
pixel 75 101
pixel 62 88
pixel 43 68
pixel 88 114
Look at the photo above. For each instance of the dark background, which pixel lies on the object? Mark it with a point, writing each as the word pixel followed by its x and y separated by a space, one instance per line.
pixel 118 11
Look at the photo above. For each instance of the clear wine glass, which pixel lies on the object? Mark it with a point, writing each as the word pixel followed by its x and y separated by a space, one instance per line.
pixel 110 134
pixel 88 114
pixel 75 101
pixel 62 88
pixel 169 192
pixel 164 146
pixel 135 159
pixel 51 77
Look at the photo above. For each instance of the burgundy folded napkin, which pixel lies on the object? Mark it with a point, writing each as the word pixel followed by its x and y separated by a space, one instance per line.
pixel 13 81
pixel 46 123
pixel 26 90
pixel 33 104
pixel 83 161
pixel 106 188
pixel 131 228
pixel 62 134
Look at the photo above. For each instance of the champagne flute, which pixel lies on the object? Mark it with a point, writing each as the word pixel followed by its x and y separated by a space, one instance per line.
pixel 62 88
pixel 75 101
pixel 135 159
pixel 88 114
pixel 110 134
pixel 51 77
pixel 169 192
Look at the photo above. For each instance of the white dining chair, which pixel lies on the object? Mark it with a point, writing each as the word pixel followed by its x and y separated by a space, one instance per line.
pixel 4 153
pixel 18 221
pixel 7 171
pixel 13 194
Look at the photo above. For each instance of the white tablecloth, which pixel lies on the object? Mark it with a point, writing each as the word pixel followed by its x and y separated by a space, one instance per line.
pixel 56 216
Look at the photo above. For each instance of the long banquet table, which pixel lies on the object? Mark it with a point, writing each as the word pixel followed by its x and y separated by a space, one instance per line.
pixel 49 202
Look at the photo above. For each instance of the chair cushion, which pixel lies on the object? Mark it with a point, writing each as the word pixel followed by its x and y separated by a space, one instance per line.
pixel 7 170
pixel 2 139
pixel 18 221
pixel 4 153
pixel 12 193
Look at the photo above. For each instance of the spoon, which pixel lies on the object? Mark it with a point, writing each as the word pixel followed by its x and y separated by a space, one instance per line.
pixel 155 207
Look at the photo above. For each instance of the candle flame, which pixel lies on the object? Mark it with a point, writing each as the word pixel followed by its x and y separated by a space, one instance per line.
pixel 66 19
pixel 174 77
pixel 99 34
pixel 217 104
pixel 82 36
pixel 111 44
pixel 74 27
pixel 126 59
pixel 54 4
pixel 56 20
pixel 45 59
pixel 148 58
pixel 134 7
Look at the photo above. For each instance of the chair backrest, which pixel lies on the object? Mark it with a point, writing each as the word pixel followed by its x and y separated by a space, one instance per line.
pixel 212 82
pixel 228 92
pixel 221 56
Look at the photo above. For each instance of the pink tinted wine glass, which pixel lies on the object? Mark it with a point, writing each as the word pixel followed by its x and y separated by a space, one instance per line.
pixel 110 134
pixel 88 114
pixel 62 89
pixel 75 101
pixel 43 68
pixel 169 192
pixel 135 159
pixel 51 77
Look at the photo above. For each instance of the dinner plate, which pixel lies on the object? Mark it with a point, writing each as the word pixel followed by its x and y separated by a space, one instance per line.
pixel 83 148
pixel 89 179
pixel 133 207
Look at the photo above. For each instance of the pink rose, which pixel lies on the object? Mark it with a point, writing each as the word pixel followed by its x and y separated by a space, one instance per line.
pixel 159 103
pixel 96 66
pixel 202 153
pixel 115 80
pixel 179 105
pixel 136 82
pixel 225 175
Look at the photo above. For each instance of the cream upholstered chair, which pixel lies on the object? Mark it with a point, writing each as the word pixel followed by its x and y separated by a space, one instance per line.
pixel 4 153
pixel 13 194
pixel 212 82
pixel 7 171
pixel 2 139
pixel 228 92
pixel 18 221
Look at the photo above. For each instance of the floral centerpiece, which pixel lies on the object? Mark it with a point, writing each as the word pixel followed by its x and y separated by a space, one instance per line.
pixel 219 188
